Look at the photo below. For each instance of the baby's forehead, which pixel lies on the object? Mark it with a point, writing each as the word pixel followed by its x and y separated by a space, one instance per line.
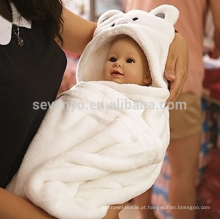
pixel 126 42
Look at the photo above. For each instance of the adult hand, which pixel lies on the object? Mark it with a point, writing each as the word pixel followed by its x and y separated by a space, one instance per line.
pixel 176 69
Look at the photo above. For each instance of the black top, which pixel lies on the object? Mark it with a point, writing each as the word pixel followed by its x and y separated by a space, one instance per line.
pixel 28 74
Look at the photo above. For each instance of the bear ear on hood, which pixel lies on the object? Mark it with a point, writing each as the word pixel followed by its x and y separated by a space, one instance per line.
pixel 106 20
pixel 167 12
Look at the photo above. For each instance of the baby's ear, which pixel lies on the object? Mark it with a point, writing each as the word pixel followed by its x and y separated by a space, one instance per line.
pixel 148 80
pixel 108 14
pixel 167 12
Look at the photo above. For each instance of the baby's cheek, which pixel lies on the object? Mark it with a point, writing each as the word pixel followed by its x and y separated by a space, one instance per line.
pixel 133 76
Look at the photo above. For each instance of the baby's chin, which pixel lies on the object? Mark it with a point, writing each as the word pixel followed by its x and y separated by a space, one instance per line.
pixel 119 81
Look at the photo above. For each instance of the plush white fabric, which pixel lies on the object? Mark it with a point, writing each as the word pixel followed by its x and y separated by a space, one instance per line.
pixel 82 161
pixel 90 159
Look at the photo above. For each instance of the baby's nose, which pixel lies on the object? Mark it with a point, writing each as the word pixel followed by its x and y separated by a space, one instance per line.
pixel 117 64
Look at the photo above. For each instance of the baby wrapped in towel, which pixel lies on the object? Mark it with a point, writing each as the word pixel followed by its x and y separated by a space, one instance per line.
pixel 103 142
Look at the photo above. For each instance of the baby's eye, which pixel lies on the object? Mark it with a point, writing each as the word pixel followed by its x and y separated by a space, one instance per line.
pixel 130 60
pixel 112 59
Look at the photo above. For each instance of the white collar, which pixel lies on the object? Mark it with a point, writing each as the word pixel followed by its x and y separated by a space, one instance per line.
pixel 6 26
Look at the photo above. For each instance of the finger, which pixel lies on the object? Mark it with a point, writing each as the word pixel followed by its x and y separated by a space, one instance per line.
pixel 177 85
pixel 170 66
pixel 175 90
pixel 170 75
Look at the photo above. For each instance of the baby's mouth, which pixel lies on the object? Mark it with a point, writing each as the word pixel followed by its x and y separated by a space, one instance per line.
pixel 116 72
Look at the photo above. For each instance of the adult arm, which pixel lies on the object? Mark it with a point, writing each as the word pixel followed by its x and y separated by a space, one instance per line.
pixel 215 6
pixel 15 207
pixel 77 32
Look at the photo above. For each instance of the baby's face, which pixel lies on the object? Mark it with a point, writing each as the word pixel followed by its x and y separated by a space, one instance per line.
pixel 126 63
